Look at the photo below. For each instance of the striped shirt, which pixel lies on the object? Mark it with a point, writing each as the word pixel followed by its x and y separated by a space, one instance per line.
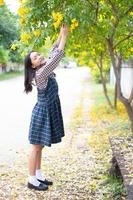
pixel 41 76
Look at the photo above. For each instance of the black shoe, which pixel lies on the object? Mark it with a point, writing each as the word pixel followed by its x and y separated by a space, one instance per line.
pixel 46 182
pixel 40 187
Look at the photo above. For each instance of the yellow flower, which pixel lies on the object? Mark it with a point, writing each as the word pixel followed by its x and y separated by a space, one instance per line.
pixel 25 37
pixel 23 21
pixel 100 18
pixel 131 13
pixel 23 11
pixel 37 32
pixel 74 24
pixel 1 2
pixel 58 17
pixel 102 1
pixel 14 47
pixel 81 62
pixel 23 1
pixel 83 53
pixel 72 27
pixel 56 24
pixel 131 49
pixel 113 18
pixel 91 64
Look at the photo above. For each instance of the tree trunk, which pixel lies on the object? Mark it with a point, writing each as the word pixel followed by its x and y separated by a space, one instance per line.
pixel 129 109
pixel 117 66
pixel 106 92
pixel 100 67
pixel 4 68
pixel 115 96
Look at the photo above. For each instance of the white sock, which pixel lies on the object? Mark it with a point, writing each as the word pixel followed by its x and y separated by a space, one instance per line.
pixel 39 175
pixel 33 180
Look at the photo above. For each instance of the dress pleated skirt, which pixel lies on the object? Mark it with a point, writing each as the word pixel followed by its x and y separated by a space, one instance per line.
pixel 46 126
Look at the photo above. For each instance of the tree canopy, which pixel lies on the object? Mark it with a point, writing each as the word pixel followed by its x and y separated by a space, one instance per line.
pixel 9 32
pixel 90 23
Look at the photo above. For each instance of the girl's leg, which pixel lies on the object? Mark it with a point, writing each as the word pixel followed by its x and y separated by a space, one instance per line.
pixel 39 156
pixel 39 174
pixel 33 158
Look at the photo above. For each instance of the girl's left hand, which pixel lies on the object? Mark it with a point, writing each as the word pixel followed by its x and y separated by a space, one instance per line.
pixel 64 30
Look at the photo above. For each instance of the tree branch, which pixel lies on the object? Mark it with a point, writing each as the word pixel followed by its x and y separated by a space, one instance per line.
pixel 114 28
pixel 97 10
pixel 115 10
pixel 131 97
pixel 127 37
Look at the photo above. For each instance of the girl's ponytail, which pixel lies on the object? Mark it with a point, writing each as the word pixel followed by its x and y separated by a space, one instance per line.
pixel 29 74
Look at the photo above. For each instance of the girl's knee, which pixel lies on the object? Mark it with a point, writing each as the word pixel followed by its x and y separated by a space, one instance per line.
pixel 37 147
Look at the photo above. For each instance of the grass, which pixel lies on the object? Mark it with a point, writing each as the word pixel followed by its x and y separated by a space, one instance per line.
pixel 107 122
pixel 10 75
pixel 98 96
pixel 115 188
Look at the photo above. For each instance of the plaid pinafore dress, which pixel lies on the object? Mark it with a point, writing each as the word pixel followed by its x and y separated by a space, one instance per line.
pixel 46 126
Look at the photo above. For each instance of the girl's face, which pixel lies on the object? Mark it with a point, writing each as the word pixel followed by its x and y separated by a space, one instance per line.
pixel 36 59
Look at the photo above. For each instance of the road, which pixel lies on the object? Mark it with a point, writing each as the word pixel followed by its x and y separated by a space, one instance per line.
pixel 16 107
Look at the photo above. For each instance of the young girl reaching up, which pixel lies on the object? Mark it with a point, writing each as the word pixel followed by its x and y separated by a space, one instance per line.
pixel 46 125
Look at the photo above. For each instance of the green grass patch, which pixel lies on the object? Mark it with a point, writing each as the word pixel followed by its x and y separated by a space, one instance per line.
pixel 10 75
pixel 114 189
pixel 98 95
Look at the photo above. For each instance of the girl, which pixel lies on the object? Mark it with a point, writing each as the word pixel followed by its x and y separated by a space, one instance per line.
pixel 46 126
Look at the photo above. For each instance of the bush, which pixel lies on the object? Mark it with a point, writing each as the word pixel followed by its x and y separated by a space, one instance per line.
pixel 4 56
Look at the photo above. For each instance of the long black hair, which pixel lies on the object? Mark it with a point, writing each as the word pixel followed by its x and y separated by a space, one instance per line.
pixel 29 74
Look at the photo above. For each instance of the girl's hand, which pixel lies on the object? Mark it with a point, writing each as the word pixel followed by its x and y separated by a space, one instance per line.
pixel 64 30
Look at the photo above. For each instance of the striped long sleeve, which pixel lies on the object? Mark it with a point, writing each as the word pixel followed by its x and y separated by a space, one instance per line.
pixel 54 47
pixel 42 74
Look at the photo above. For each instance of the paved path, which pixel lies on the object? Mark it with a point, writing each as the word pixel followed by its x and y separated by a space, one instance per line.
pixel 70 164
pixel 16 107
